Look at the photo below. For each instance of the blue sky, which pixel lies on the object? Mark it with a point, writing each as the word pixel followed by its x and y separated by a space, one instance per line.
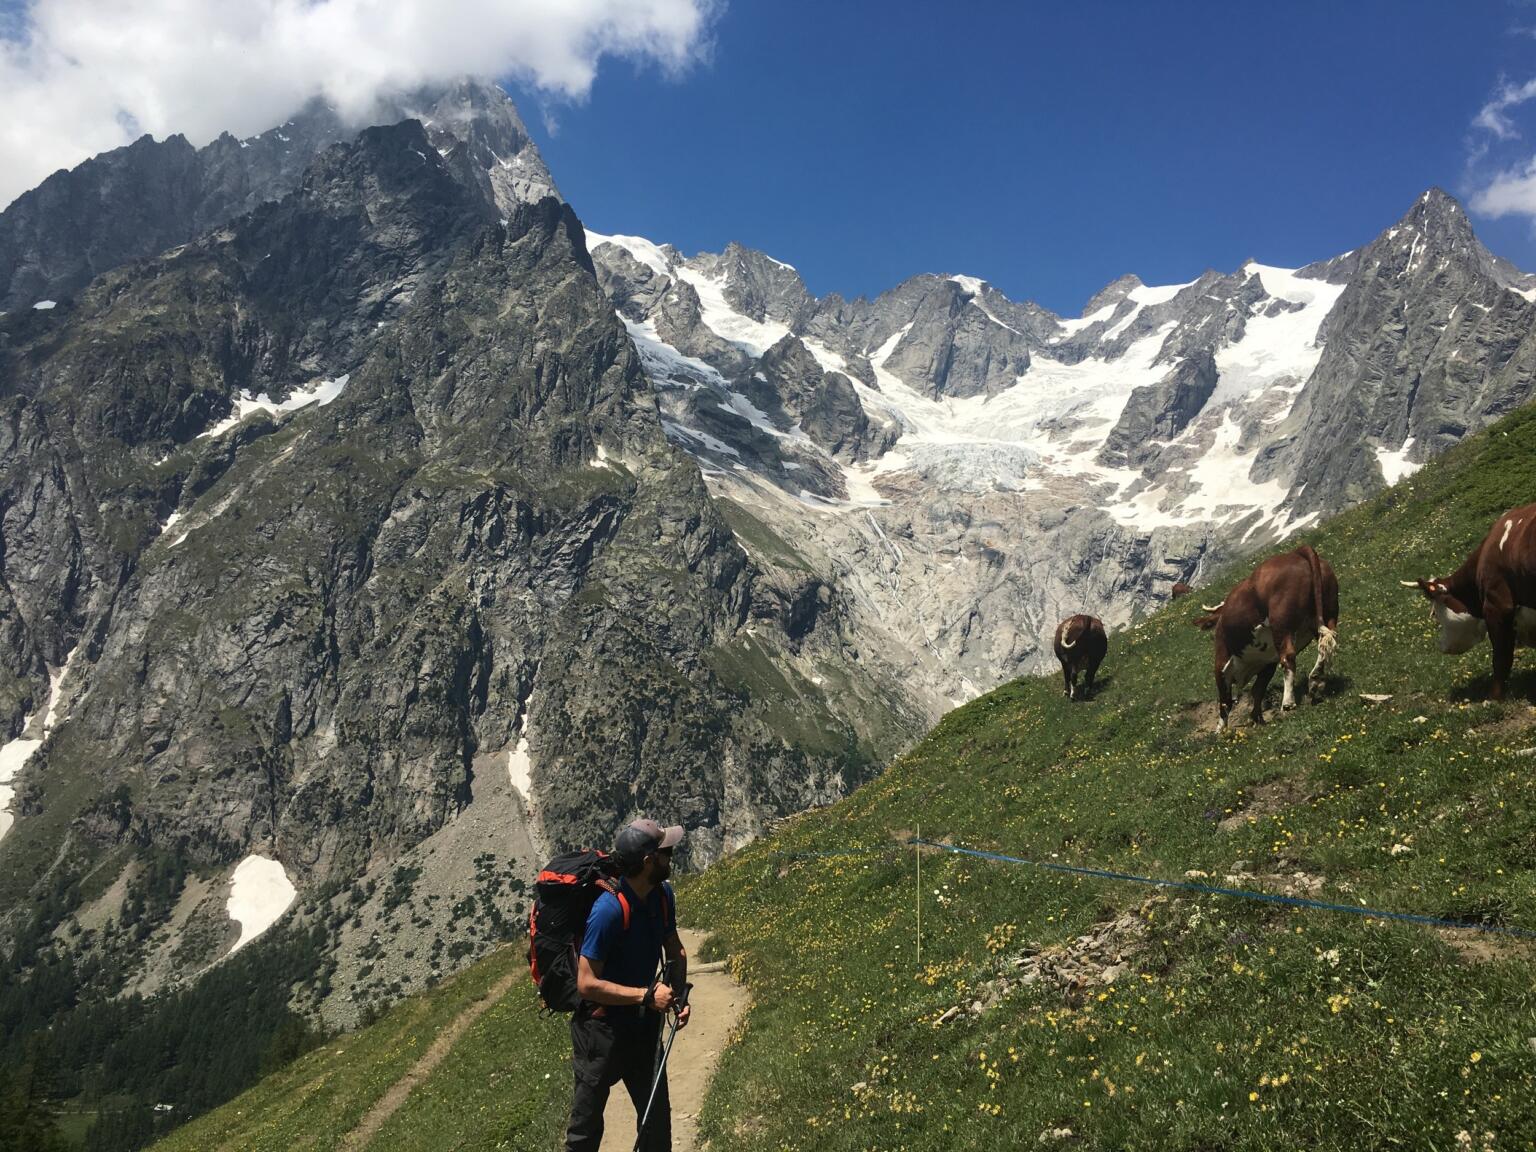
pixel 1048 149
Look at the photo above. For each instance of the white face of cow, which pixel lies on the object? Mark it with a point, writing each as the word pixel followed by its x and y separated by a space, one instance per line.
pixel 1459 631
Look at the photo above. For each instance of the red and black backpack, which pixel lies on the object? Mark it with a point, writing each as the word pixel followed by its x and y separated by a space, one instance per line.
pixel 565 891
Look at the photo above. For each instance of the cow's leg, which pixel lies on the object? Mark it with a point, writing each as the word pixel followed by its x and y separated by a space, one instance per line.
pixel 1287 650
pixel 1093 670
pixel 1501 633
pixel 1223 697
pixel 1327 644
pixel 1066 674
pixel 1261 684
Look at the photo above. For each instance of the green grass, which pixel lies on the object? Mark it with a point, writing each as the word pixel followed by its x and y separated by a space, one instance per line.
pixel 1237 1025
pixel 506 1085
pixel 323 1095
pixel 1234 1025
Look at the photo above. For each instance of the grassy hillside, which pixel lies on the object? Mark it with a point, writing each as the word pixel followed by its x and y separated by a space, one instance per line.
pixel 490 1092
pixel 1058 1010
pixel 1228 1024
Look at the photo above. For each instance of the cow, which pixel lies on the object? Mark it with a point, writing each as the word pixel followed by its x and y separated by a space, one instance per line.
pixel 1180 589
pixel 1080 646
pixel 1492 594
pixel 1273 614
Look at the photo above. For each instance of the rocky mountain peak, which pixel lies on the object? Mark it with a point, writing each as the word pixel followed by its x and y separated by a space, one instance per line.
pixel 142 199
pixel 761 287
pixel 479 118
pixel 1113 293
pixel 1435 231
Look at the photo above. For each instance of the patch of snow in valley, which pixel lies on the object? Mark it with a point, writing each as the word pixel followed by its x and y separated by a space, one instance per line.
pixel 259 893
pixel 520 769
pixel 13 757
pixel 321 393
pixel 1396 465
pixel 15 753
pixel 45 305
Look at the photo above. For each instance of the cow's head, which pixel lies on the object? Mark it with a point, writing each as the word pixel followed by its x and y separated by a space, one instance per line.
pixel 1460 630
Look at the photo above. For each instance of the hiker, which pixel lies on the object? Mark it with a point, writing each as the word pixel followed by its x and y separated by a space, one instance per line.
pixel 616 1029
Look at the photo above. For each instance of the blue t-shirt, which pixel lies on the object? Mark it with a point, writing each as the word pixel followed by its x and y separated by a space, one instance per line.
pixel 630 958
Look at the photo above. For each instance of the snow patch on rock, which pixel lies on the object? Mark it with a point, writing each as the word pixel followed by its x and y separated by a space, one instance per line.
pixel 1396 465
pixel 15 753
pixel 639 247
pixel 752 336
pixel 321 393
pixel 259 893
pixel 520 769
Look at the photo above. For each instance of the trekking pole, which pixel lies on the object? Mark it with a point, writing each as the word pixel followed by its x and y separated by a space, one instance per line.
pixel 661 1069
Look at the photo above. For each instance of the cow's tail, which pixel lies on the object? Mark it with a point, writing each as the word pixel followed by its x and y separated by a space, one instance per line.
pixel 1327 638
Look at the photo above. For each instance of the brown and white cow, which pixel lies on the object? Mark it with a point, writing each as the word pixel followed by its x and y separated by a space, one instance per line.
pixel 1180 589
pixel 1492 594
pixel 1080 646
pixel 1282 606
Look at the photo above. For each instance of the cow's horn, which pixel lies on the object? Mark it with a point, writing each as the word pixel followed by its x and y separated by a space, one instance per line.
pixel 1409 583
pixel 1065 643
pixel 1213 607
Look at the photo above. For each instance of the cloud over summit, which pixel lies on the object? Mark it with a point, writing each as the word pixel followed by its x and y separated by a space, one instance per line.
pixel 80 76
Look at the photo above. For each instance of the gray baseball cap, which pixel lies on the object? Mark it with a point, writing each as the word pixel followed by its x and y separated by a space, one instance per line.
pixel 638 840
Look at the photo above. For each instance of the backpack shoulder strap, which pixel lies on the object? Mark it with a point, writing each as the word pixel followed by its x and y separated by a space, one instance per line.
pixel 617 892
pixel 669 901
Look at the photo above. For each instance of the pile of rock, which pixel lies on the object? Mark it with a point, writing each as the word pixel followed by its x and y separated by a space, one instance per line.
pixel 1099 957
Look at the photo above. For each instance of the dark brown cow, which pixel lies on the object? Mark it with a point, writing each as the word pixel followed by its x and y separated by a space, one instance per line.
pixel 1285 603
pixel 1181 589
pixel 1493 593
pixel 1080 646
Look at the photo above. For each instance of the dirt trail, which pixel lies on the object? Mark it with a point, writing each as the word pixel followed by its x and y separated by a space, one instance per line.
pixel 389 1103
pixel 718 1003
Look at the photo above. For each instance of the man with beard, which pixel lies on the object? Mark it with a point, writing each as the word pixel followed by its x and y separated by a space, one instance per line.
pixel 616 1028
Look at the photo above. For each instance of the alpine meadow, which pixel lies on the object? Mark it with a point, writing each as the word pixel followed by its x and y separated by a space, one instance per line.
pixel 614 574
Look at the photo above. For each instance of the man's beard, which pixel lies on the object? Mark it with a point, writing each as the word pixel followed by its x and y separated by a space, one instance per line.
pixel 661 869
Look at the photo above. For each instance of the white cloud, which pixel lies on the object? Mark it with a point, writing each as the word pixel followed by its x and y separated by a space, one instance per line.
pixel 1500 177
pixel 1508 193
pixel 81 76
pixel 1493 117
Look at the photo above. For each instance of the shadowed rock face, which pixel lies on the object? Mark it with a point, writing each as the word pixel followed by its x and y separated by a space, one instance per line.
pixel 326 633
pixel 137 201
pixel 1160 412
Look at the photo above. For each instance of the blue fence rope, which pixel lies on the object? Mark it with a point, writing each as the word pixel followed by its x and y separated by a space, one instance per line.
pixel 1240 893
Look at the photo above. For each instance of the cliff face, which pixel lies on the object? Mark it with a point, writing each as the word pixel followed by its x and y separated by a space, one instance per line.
pixel 352 527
